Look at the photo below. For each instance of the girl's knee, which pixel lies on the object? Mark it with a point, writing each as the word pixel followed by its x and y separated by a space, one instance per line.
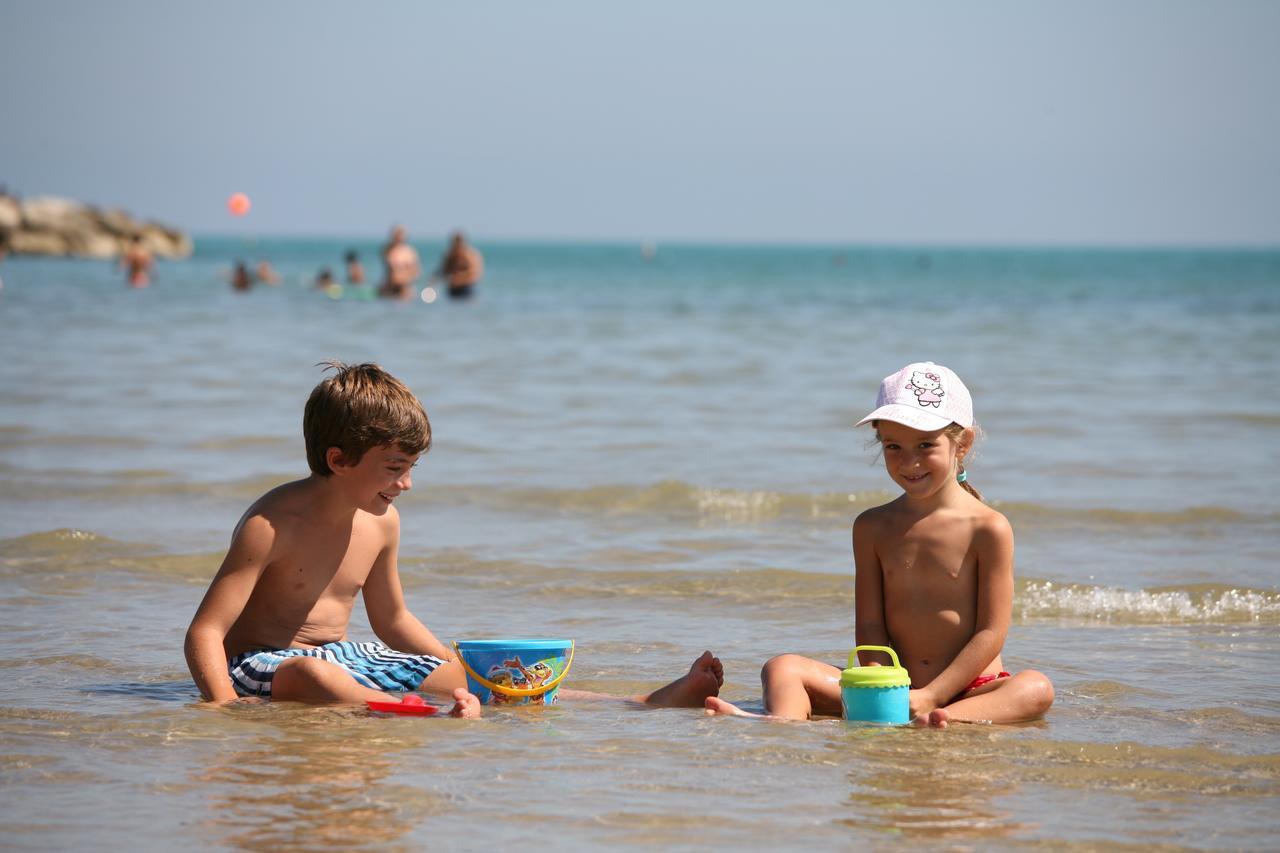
pixel 1037 689
pixel 783 667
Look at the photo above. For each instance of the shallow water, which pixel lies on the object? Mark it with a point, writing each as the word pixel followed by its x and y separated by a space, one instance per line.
pixel 651 457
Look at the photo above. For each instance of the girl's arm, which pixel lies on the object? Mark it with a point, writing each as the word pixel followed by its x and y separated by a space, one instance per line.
pixel 389 616
pixel 868 589
pixel 993 542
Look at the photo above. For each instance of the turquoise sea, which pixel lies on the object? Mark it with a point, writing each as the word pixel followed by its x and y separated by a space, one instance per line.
pixel 651 450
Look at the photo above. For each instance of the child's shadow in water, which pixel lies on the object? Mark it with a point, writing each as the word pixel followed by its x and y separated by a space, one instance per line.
pixel 157 691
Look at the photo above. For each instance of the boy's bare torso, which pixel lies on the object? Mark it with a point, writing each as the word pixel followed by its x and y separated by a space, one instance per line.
pixel 929 568
pixel 315 571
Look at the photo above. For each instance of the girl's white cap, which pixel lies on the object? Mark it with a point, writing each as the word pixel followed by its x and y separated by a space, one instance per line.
pixel 923 396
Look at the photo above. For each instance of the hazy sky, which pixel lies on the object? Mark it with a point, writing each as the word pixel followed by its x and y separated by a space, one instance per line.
pixel 847 122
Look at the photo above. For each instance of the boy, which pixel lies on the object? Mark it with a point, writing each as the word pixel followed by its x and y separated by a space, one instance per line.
pixel 274 620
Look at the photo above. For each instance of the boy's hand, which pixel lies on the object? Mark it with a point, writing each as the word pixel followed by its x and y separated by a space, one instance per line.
pixel 921 701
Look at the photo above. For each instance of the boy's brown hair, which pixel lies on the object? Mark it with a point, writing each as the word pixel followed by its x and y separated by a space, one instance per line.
pixel 359 407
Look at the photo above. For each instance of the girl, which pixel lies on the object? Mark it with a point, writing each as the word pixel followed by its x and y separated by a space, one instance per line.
pixel 934 574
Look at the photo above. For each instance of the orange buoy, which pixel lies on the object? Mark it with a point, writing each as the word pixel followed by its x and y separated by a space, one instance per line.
pixel 238 204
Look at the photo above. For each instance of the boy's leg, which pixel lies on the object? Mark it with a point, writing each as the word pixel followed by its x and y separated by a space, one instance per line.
pixel 445 679
pixel 318 682
pixel 688 691
pixel 1021 697
pixel 691 689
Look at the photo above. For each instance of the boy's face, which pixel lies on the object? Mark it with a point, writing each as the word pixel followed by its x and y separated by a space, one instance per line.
pixel 921 463
pixel 379 477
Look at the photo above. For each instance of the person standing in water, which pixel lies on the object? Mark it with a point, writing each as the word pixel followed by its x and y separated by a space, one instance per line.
pixel 461 267
pixel 402 266
pixel 137 262
pixel 355 270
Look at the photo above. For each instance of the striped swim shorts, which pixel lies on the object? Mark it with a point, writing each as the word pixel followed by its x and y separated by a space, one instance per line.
pixel 372 664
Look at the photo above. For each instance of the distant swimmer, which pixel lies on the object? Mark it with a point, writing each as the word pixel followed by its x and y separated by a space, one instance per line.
pixel 402 266
pixel 355 270
pixel 137 261
pixel 240 278
pixel 461 267
pixel 266 274
pixel 324 280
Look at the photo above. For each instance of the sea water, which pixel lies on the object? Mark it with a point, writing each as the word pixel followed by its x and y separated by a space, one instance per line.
pixel 652 453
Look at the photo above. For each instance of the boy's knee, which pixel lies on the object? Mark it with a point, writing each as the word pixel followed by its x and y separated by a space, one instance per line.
pixel 303 668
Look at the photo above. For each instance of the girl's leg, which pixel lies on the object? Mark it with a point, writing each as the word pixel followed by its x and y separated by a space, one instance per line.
pixel 1022 697
pixel 797 688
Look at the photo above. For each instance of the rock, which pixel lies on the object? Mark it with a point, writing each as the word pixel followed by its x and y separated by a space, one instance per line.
pixel 37 243
pixel 92 244
pixel 59 226
pixel 54 214
pixel 10 213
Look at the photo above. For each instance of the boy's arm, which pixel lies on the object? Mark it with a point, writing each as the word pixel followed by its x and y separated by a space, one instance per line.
pixel 223 602
pixel 389 616
pixel 868 587
pixel 994 611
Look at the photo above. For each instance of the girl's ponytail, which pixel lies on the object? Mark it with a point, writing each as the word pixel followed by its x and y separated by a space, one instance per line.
pixel 964 439
pixel 963 478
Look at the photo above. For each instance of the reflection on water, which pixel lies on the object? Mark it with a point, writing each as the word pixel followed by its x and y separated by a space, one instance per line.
pixel 315 778
pixel 927 786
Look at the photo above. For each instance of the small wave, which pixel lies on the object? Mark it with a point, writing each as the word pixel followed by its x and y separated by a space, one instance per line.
pixel 1104 516
pixel 1201 603
pixel 670 498
pixel 710 505
pixel 741 586
pixel 53 554
pixel 129 484
pixel 28 438
pixel 778 588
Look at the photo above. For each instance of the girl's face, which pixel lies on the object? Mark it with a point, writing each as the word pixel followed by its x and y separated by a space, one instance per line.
pixel 921 463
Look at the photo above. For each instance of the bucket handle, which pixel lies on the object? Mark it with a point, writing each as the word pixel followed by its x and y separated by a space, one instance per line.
pixel 853 655
pixel 515 691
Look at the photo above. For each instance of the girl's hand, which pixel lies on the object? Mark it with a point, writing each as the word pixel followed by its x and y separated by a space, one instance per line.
pixel 921 701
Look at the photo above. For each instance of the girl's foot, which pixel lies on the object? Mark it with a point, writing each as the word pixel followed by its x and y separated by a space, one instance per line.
pixel 935 719
pixel 718 707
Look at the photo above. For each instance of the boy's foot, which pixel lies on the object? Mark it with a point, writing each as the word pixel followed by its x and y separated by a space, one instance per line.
pixel 936 719
pixel 465 705
pixel 692 689
pixel 718 707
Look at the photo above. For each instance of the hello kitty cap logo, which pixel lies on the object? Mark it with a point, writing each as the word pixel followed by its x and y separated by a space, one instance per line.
pixel 923 396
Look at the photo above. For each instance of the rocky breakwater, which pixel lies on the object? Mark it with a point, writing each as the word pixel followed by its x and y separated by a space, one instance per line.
pixel 62 227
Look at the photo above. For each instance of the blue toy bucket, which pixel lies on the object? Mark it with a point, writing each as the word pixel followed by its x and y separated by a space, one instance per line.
pixel 876 694
pixel 515 672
